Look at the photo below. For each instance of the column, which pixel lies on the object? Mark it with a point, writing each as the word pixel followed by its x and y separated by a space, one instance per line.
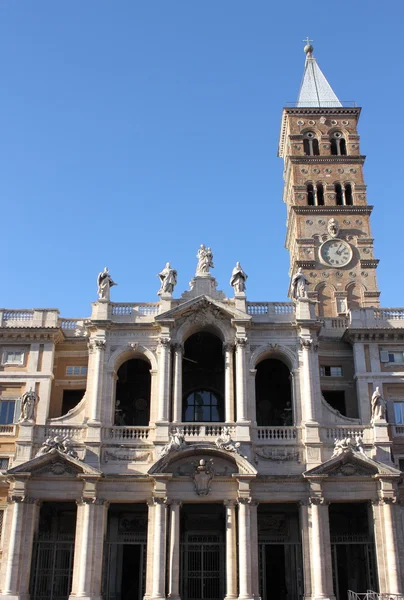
pixel 320 549
pixel 96 349
pixel 244 554
pixel 174 551
pixel 177 390
pixel 18 541
pixel 309 395
pixel 390 580
pixel 361 382
pixel 159 560
pixel 229 382
pixel 231 550
pixel 255 584
pixel 164 379
pixel 89 548
pixel 305 529
pixel 150 550
pixel 241 380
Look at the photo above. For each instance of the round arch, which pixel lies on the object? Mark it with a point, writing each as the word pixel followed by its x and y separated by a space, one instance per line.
pixel 125 353
pixel 279 352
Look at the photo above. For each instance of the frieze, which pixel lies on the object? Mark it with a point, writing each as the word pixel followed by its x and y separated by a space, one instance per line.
pixel 123 454
pixel 121 334
pixel 279 454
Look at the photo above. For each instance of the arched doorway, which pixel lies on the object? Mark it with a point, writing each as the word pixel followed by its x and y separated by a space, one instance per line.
pixel 132 403
pixel 273 393
pixel 203 379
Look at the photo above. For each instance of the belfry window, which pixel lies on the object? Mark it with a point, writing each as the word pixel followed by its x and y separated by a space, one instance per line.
pixel 311 200
pixel 320 194
pixel 203 378
pixel 348 194
pixel 315 194
pixel 339 196
pixel 310 144
pixel 338 144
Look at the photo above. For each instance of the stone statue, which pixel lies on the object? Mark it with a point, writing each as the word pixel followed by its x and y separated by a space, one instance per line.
pixel 347 443
pixel 202 476
pixel 333 227
pixel 63 444
pixel 378 406
pixel 168 280
pixel 205 260
pixel 29 401
pixel 104 283
pixel 224 441
pixel 299 285
pixel 176 442
pixel 238 279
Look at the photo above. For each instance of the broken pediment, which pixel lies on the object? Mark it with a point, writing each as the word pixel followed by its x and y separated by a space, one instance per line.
pixel 54 464
pixel 351 463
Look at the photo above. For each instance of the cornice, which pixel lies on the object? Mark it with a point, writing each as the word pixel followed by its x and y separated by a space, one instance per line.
pixel 369 263
pixel 327 159
pixel 355 110
pixel 31 333
pixel 332 210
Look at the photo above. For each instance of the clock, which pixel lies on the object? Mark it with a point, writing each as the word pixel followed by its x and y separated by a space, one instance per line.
pixel 335 253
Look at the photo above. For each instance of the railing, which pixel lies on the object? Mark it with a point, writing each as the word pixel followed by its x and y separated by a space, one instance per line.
pixel 342 431
pixel 271 311
pixel 137 308
pixel 386 314
pixel 336 322
pixel 18 315
pixel 277 434
pixel 201 430
pixel 7 430
pixel 398 430
pixel 70 323
pixel 25 317
pixel 74 433
pixel 370 595
pixel 126 433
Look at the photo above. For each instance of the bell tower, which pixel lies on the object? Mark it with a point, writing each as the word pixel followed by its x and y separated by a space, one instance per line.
pixel 328 217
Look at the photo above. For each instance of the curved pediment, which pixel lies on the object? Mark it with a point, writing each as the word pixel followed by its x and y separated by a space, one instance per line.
pixel 182 462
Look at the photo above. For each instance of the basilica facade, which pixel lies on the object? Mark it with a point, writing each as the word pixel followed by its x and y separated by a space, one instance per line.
pixel 206 447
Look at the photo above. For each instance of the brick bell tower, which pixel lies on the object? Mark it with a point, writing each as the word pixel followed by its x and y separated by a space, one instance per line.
pixel 328 218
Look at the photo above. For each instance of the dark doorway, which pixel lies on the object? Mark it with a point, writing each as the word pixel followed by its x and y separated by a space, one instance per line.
pixel 132 403
pixel 131 588
pixel 273 393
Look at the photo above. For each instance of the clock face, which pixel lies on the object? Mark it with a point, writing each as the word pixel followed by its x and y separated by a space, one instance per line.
pixel 336 253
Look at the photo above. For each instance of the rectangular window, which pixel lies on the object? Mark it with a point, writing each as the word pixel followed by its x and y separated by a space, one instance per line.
pixel 392 356
pixel 7 412
pixel 399 413
pixel 4 463
pixel 76 371
pixel 13 357
pixel 331 371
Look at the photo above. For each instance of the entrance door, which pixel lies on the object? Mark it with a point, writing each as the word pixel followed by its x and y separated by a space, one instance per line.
pixel 354 568
pixel 202 567
pixel 280 571
pixel 52 568
pixel 124 571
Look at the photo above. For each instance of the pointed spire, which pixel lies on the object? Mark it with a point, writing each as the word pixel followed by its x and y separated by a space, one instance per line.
pixel 315 91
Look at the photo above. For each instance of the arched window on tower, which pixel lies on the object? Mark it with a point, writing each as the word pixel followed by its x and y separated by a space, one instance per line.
pixel 203 378
pixel 348 194
pixel 311 201
pixel 133 386
pixel 338 144
pixel 339 196
pixel 320 194
pixel 310 144
pixel 273 393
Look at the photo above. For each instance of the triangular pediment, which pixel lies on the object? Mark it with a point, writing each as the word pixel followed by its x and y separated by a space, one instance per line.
pixel 54 463
pixel 352 464
pixel 203 305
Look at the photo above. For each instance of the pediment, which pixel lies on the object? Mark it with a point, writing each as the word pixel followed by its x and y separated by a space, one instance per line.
pixel 351 464
pixel 203 307
pixel 182 462
pixel 54 464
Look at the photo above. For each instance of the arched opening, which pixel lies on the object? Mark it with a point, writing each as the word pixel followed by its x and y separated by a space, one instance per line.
pixel 311 201
pixel 310 144
pixel 203 379
pixel 339 197
pixel 354 296
pixel 273 393
pixel 326 304
pixel 132 404
pixel 338 144
pixel 320 194
pixel 348 194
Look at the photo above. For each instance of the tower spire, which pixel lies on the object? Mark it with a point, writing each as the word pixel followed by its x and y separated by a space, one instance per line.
pixel 315 91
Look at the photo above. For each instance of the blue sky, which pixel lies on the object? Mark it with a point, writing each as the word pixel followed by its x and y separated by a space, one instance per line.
pixel 131 132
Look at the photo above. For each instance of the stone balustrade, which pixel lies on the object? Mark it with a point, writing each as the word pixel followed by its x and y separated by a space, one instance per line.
pixel 276 312
pixel 277 434
pixel 128 434
pixel 46 317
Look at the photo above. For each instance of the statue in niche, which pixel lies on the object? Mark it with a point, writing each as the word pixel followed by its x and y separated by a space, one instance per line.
pixel 299 285
pixel 333 227
pixel 205 260
pixel 202 476
pixel 168 280
pixel 176 442
pixel 224 441
pixel 29 400
pixel 378 406
pixel 104 283
pixel 238 279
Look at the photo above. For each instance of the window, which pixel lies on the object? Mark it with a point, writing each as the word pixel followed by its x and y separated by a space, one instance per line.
pixel 320 194
pixel 392 356
pixel 310 144
pixel 4 463
pixel 310 195
pixel 339 195
pixel 202 405
pixel 338 145
pixel 9 411
pixel 331 371
pixel 399 413
pixel 348 194
pixel 76 371
pixel 315 194
pixel 13 357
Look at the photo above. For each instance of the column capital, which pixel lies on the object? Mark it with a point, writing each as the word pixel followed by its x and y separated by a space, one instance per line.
pixel 174 502
pixel 318 501
pixel 229 503
pixel 92 500
pixel 241 342
pixel 228 346
pixel 97 344
pixel 308 343
pixel 244 501
pixel 164 342
pixel 22 499
pixel 388 500
pixel 178 347
pixel 158 501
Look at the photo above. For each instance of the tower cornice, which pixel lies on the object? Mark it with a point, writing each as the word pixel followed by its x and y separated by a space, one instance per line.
pixel 358 160
pixel 332 210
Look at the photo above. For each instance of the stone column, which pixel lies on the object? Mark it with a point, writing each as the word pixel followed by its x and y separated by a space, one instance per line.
pixel 309 372
pixel 241 379
pixel 244 554
pixel 362 392
pixel 177 391
pixel 387 538
pixel 164 380
pixel 320 550
pixel 89 548
pixel 18 541
pixel 95 378
pixel 305 528
pixel 159 560
pixel 231 550
pixel 174 551
pixel 255 584
pixel 229 382
pixel 150 553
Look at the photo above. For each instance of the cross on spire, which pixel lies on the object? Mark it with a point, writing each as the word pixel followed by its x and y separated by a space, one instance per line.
pixel 307 41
